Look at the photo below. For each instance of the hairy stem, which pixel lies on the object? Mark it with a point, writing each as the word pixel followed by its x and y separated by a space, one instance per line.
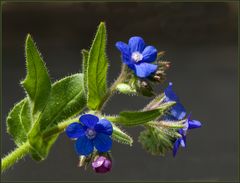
pixel 63 125
pixel 122 76
pixel 59 128
pixel 14 156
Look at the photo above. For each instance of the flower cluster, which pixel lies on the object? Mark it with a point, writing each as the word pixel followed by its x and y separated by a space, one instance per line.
pixel 164 119
pixel 93 135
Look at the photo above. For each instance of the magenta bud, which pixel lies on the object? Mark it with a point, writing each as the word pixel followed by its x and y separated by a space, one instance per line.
pixel 102 165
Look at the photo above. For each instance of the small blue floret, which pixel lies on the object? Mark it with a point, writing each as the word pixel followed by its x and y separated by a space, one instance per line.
pixel 138 56
pixel 90 133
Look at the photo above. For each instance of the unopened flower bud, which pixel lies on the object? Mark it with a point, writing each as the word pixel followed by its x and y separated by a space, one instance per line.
pixel 164 65
pixel 102 164
pixel 168 65
pixel 144 84
pixel 158 78
pixel 125 89
pixel 159 73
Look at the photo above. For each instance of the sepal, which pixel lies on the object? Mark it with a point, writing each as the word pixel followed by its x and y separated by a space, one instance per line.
pixel 120 136
pixel 156 141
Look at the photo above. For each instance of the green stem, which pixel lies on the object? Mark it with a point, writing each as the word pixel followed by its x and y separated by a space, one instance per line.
pixel 14 156
pixel 59 128
pixel 122 76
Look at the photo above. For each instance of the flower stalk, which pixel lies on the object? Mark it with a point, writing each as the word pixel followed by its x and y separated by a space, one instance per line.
pixel 122 76
pixel 14 156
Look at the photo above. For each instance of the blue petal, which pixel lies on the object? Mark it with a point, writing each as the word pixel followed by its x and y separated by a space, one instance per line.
pixel 136 44
pixel 178 111
pixel 182 142
pixel 75 130
pixel 181 131
pixel 102 142
pixel 170 95
pixel 149 54
pixel 84 146
pixel 143 70
pixel 176 146
pixel 89 120
pixel 194 124
pixel 104 126
pixel 125 50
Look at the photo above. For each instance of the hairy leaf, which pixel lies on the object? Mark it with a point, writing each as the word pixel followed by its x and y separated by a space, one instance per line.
pixel 26 117
pixel 120 136
pixel 66 100
pixel 14 125
pixel 97 69
pixel 131 118
pixel 37 83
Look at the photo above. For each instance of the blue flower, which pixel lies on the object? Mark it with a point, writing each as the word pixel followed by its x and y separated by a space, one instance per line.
pixel 189 124
pixel 177 112
pixel 138 56
pixel 90 133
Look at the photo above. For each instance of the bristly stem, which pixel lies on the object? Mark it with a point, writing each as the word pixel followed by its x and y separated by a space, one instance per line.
pixel 15 155
pixel 59 128
pixel 122 76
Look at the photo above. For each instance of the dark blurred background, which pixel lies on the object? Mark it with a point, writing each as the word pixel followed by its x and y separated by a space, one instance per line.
pixel 200 39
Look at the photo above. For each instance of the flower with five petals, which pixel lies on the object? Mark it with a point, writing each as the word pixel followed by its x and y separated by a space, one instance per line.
pixel 138 56
pixel 90 133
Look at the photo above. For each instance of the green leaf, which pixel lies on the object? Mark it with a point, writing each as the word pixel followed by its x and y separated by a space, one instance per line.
pixel 97 69
pixel 14 126
pixel 84 69
pixel 120 136
pixel 132 118
pixel 67 99
pixel 37 83
pixel 26 117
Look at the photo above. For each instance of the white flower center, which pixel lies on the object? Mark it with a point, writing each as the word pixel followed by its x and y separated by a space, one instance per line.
pixel 90 133
pixel 136 56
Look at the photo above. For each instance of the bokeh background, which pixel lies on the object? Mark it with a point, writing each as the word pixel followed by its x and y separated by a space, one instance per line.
pixel 200 39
